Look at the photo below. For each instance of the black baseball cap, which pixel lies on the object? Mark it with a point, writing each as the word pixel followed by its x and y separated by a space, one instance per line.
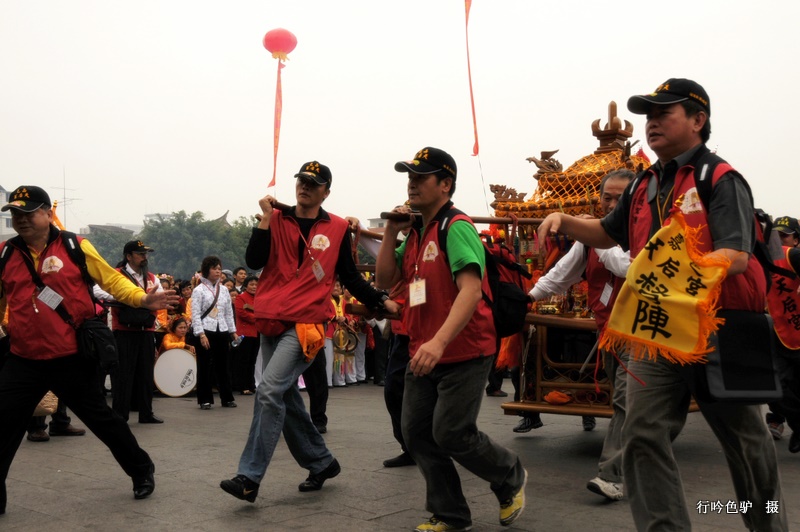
pixel 27 199
pixel 135 246
pixel 316 172
pixel 674 90
pixel 429 161
pixel 787 225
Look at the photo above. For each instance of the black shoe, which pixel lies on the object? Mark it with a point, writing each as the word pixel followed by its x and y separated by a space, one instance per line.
pixel 589 423
pixel 794 442
pixel 315 482
pixel 143 486
pixel 380 382
pixel 401 460
pixel 322 429
pixel 496 393
pixel 229 404
pixel 150 419
pixel 69 430
pixel 526 424
pixel 38 435
pixel 240 487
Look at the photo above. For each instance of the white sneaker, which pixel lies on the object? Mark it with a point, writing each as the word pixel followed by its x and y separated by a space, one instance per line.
pixel 609 490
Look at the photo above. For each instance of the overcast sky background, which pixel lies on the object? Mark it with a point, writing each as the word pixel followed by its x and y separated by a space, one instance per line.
pixel 160 106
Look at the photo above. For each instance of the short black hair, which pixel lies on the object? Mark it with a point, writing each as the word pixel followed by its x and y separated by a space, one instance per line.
pixel 620 173
pixel 209 262
pixel 443 175
pixel 692 108
pixel 249 279
pixel 239 269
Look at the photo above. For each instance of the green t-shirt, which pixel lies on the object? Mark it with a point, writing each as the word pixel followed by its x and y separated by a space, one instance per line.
pixel 464 247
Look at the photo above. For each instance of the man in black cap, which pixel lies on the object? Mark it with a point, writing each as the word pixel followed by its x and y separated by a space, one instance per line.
pixel 678 126
pixel 44 349
pixel 789 231
pixel 452 343
pixel 301 250
pixel 134 329
pixel 784 307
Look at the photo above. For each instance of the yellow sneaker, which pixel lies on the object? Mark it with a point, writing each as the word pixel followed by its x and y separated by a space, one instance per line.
pixel 512 509
pixel 434 525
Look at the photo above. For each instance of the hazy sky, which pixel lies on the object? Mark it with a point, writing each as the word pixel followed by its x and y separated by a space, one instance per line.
pixel 159 106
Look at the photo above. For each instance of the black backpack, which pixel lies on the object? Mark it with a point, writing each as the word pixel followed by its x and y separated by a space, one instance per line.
pixel 507 298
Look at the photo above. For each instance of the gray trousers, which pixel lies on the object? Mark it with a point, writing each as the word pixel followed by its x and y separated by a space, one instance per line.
pixel 609 468
pixel 656 414
pixel 439 420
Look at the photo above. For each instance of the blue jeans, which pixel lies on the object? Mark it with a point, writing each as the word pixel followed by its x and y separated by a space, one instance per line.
pixel 440 412
pixel 279 407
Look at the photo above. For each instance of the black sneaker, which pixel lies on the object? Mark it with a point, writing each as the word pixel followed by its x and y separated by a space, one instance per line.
pixel 240 487
pixel 526 424
pixel 315 482
pixel 589 423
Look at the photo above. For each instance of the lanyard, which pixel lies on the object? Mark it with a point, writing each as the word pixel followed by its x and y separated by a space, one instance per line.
pixel 310 255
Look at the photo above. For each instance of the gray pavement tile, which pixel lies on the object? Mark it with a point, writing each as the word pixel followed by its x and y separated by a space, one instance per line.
pixel 74 484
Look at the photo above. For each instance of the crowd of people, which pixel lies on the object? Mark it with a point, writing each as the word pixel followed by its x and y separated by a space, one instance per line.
pixel 286 328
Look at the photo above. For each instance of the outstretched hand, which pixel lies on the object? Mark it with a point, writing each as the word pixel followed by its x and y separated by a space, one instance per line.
pixel 157 300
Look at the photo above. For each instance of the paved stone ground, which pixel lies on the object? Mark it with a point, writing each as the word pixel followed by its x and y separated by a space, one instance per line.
pixel 73 483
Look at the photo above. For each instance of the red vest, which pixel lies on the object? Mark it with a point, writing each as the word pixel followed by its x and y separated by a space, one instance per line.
pixel 44 335
pixel 115 324
pixel 245 318
pixel 422 322
pixel 294 295
pixel 746 291
pixel 597 277
pixel 784 304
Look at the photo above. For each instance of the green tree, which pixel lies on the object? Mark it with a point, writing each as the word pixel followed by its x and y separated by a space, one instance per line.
pixel 110 244
pixel 183 240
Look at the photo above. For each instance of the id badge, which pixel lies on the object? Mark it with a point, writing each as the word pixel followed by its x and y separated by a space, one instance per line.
pixel 416 293
pixel 214 312
pixel 319 272
pixel 606 295
pixel 50 297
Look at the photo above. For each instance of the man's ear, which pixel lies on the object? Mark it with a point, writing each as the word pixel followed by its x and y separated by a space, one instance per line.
pixel 449 184
pixel 700 120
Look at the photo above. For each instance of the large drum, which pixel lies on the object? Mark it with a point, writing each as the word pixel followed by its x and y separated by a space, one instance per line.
pixel 175 372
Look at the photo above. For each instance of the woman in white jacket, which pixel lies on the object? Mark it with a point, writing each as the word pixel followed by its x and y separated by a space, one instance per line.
pixel 214 327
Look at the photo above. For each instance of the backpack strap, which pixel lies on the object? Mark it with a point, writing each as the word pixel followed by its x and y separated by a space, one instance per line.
pixel 78 257
pixel 708 169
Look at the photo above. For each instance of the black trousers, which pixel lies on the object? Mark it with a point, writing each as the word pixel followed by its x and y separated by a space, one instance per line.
pixel 316 378
pixel 395 385
pixel 59 420
pixel 788 408
pixel 244 363
pixel 132 380
pixel 213 360
pixel 77 383
pixel 381 353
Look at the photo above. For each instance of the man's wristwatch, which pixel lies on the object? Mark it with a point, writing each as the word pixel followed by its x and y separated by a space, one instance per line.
pixel 383 299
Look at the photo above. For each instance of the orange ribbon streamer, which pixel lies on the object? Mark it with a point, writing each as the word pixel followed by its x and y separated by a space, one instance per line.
pixel 467 5
pixel 277 125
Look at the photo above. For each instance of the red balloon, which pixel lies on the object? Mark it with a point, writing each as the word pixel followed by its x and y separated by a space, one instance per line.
pixel 280 42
